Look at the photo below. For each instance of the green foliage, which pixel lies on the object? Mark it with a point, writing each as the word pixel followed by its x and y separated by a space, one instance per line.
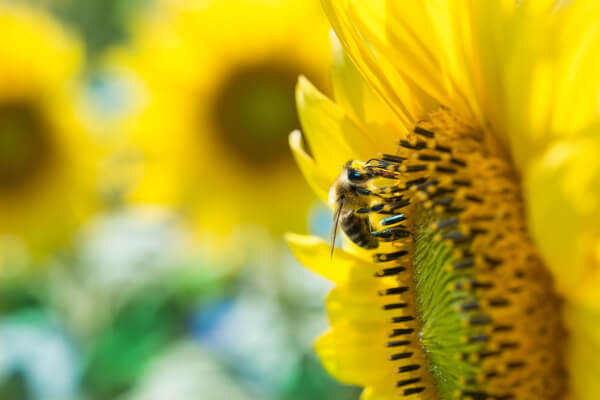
pixel 21 293
pixel 121 352
pixel 101 23
pixel 310 381
pixel 14 387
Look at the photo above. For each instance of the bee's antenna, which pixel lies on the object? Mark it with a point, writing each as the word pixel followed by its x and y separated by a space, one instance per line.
pixel 336 219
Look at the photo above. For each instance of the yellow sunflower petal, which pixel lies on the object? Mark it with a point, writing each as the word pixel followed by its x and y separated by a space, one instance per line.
pixel 529 84
pixel 457 60
pixel 352 356
pixel 434 44
pixel 406 100
pixel 466 44
pixel 29 36
pixel 353 94
pixel 401 37
pixel 562 190
pixel 348 270
pixel 314 176
pixel 551 75
pixel 356 305
pixel 373 394
pixel 582 352
pixel 577 90
pixel 314 253
pixel 345 140
pixel 486 51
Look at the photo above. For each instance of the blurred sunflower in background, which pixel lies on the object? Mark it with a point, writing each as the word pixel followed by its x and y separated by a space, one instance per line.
pixel 219 95
pixel 470 269
pixel 46 159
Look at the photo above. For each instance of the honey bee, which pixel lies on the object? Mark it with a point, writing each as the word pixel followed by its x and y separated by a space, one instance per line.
pixel 348 194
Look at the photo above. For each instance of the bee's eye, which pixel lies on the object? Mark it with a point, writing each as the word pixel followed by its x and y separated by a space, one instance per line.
pixel 355 175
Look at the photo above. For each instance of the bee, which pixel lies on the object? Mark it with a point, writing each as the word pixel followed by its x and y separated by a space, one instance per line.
pixel 347 194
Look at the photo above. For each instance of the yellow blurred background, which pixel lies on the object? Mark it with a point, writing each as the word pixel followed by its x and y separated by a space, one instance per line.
pixel 145 185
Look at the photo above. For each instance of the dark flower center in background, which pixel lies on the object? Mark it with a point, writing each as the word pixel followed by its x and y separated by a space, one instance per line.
pixel 255 110
pixel 23 145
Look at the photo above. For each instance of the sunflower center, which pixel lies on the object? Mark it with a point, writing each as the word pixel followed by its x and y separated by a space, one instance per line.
pixel 254 109
pixel 22 145
pixel 469 287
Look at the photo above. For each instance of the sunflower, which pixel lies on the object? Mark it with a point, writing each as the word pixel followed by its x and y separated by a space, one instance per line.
pixel 220 78
pixel 461 152
pixel 44 155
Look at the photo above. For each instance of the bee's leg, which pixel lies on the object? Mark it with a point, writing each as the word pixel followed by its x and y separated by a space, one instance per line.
pixel 366 210
pixel 392 220
pixel 391 234
pixel 418 184
pixel 389 190
pixel 387 221
pixel 385 166
pixel 395 171
pixel 385 159
pixel 390 207
pixel 392 163
pixel 378 167
pixel 392 227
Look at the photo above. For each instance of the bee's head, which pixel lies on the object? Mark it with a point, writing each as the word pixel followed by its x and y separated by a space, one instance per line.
pixel 355 172
pixel 353 176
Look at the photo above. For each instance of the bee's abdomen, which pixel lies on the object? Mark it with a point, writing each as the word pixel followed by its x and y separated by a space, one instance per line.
pixel 358 229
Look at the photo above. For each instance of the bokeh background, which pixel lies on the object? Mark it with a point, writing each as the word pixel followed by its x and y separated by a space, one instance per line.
pixel 145 186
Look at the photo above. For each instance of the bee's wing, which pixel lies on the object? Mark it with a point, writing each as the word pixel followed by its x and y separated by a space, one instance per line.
pixel 336 220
